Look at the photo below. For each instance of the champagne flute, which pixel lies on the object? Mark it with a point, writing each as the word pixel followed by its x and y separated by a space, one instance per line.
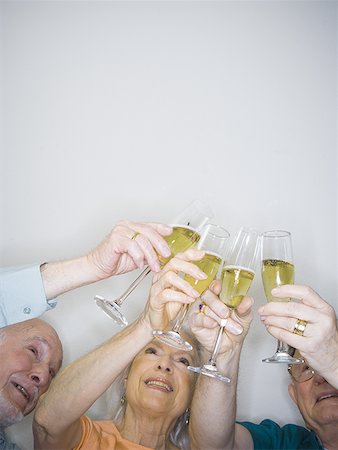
pixel 278 269
pixel 237 275
pixel 213 242
pixel 186 233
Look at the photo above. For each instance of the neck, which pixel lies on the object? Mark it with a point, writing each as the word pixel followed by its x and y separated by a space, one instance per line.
pixel 329 437
pixel 149 431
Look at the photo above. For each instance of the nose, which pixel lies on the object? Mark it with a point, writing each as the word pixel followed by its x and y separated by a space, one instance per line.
pixel 164 364
pixel 40 375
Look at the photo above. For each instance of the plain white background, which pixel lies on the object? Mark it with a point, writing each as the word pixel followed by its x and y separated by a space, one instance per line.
pixel 115 110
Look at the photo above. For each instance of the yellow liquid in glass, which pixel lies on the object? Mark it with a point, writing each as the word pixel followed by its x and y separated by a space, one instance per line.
pixel 209 264
pixel 276 272
pixel 180 240
pixel 236 282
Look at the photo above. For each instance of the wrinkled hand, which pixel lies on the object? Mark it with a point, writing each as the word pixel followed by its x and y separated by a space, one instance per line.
pixel 205 325
pixel 119 253
pixel 319 343
pixel 170 291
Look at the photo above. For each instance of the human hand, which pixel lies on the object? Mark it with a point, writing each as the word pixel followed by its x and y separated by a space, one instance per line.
pixel 128 246
pixel 319 342
pixel 205 323
pixel 170 291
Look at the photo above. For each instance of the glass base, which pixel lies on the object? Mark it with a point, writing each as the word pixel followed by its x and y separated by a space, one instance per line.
pixel 283 357
pixel 112 310
pixel 173 339
pixel 210 371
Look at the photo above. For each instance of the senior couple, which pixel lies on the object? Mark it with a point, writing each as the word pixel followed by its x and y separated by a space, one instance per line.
pixel 158 390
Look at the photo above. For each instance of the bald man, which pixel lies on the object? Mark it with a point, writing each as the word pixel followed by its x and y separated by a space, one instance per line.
pixel 31 355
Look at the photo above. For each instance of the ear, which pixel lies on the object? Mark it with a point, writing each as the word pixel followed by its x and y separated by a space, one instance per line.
pixel 292 392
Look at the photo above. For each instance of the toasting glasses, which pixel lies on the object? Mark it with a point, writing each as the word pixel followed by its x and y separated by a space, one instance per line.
pixel 213 241
pixel 237 275
pixel 187 227
pixel 278 269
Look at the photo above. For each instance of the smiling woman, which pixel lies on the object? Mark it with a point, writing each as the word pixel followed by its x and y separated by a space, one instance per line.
pixel 158 387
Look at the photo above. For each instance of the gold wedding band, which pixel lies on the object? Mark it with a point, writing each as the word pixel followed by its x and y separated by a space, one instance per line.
pixel 299 327
pixel 134 236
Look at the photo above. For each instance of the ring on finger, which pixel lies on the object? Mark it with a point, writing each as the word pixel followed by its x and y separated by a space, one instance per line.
pixel 201 308
pixel 134 236
pixel 299 327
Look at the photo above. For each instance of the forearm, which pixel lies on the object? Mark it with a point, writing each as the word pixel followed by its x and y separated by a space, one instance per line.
pixel 79 385
pixel 215 401
pixel 63 276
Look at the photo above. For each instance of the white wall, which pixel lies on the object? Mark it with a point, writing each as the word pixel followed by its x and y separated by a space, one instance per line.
pixel 132 109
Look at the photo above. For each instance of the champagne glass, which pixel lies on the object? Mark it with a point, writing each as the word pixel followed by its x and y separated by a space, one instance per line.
pixel 186 233
pixel 237 275
pixel 213 242
pixel 278 269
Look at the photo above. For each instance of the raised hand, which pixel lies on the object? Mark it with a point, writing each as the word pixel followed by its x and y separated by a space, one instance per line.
pixel 128 246
pixel 317 336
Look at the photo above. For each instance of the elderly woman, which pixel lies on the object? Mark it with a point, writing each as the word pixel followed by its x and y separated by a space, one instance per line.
pixel 158 387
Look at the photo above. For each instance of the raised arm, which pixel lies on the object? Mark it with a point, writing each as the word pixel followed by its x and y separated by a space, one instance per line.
pixel 128 246
pixel 57 423
pixel 319 342
pixel 213 412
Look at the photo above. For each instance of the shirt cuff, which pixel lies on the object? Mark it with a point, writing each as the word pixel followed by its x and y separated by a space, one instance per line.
pixel 22 294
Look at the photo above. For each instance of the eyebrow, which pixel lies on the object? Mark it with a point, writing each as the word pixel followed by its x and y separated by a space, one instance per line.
pixel 39 338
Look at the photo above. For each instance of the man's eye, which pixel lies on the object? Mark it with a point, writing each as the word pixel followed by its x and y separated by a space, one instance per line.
pixel 33 350
pixel 151 350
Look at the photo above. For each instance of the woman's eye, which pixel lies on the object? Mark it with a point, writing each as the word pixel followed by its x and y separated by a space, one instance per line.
pixel 151 351
pixel 184 361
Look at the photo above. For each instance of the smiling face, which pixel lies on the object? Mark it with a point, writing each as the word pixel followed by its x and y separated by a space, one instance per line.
pixel 317 401
pixel 31 355
pixel 159 382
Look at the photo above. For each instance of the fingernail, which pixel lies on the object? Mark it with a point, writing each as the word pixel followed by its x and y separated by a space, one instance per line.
pixel 201 275
pixel 263 318
pixel 165 251
pixel 275 291
pixel 260 310
pixel 195 293
pixel 234 328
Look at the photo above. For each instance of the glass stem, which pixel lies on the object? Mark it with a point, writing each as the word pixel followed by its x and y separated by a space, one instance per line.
pixel 182 315
pixel 133 285
pixel 213 357
pixel 282 347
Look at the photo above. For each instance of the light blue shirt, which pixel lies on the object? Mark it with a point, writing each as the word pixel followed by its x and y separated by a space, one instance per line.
pixel 22 294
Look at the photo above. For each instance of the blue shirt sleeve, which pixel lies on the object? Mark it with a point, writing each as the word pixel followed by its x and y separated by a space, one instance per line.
pixel 22 294
pixel 268 435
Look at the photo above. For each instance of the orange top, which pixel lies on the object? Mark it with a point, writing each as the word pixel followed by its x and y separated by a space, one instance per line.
pixel 103 435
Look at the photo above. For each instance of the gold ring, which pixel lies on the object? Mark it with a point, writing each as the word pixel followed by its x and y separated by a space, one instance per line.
pixel 134 236
pixel 299 327
pixel 201 308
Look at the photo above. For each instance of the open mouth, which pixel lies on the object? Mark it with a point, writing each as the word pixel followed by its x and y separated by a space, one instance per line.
pixel 22 390
pixel 159 384
pixel 326 396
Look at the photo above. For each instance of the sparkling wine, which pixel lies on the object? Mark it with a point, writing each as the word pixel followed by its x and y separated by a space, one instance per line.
pixel 236 282
pixel 209 264
pixel 180 240
pixel 276 272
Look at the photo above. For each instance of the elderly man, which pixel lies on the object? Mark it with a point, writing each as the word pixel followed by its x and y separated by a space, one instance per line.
pixel 314 386
pixel 30 351
pixel 31 355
